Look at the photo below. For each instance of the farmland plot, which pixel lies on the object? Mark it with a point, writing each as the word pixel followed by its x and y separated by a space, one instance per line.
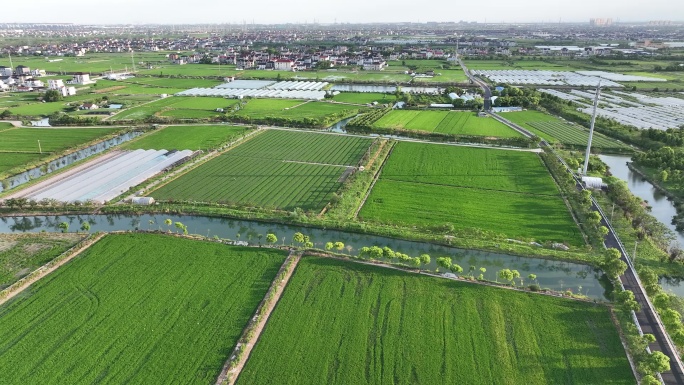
pixel 509 193
pixel 445 122
pixel 137 309
pixel 555 130
pixel 19 146
pixel 346 323
pixel 186 138
pixel 276 169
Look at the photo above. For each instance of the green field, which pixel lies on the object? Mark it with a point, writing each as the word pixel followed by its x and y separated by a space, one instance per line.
pixel 444 122
pixel 556 130
pixel 177 107
pixel 186 138
pixel 295 110
pixel 347 323
pixel 365 98
pixel 21 254
pixel 136 309
pixel 509 193
pixel 444 76
pixel 275 169
pixel 19 146
pixel 520 65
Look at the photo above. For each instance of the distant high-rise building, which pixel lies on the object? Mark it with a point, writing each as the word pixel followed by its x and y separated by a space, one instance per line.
pixel 600 22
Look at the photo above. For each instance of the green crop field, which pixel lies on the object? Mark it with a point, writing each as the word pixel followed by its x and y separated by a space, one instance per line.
pixel 177 106
pixel 520 65
pixel 275 169
pixel 341 322
pixel 138 309
pixel 292 109
pixel 186 138
pixel 21 254
pixel 444 76
pixel 507 192
pixel 556 130
pixel 365 98
pixel 19 146
pixel 445 122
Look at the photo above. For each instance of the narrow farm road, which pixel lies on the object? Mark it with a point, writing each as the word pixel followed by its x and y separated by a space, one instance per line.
pixel 231 370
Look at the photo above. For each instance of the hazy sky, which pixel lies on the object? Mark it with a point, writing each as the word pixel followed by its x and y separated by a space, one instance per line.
pixel 279 11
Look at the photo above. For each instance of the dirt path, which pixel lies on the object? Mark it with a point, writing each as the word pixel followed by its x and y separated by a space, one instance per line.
pixel 46 269
pixel 231 369
pixel 377 154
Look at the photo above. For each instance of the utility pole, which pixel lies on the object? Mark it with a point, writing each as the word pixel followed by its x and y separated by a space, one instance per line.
pixel 40 149
pixel 635 249
pixel 591 129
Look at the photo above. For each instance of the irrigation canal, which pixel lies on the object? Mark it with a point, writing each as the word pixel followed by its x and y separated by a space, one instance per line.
pixel 556 275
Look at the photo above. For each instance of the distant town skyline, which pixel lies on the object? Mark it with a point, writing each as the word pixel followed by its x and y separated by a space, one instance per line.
pixel 350 11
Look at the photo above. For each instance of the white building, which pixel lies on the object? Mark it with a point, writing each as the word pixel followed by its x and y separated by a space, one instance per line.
pixel 6 71
pixel 55 84
pixel 283 65
pixel 81 78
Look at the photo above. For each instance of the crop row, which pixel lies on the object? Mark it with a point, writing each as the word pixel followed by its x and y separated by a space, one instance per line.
pixel 570 134
pixel 346 323
pixel 135 308
pixel 258 182
pixel 305 147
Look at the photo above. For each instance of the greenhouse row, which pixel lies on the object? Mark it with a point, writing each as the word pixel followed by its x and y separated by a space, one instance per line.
pixel 298 86
pixel 557 78
pixel 620 77
pixel 107 177
pixel 238 93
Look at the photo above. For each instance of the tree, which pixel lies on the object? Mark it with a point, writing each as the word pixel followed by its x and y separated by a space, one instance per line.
pixel 52 96
pixel 661 301
pixel 85 226
pixel 388 253
pixel 444 262
pixel 376 252
pixel 658 362
pixel 532 277
pixel 505 275
pixel 671 317
pixel 5 114
pixel 180 226
pixel 298 237
pixel 168 223
pixel 329 245
pixel 664 175
pixel 415 262
pixel 271 238
pixel 339 246
pixel 456 269
pixel 482 271
pixel 649 380
pixel 64 226
pixel 425 259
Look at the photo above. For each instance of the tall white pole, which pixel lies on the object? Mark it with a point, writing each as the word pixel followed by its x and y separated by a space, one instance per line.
pixel 591 129
pixel 40 149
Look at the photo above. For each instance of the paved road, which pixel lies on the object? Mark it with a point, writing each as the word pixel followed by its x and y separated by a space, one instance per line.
pixel 481 84
pixel 647 317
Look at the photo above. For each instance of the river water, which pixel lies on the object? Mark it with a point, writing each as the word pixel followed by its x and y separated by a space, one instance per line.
pixel 662 208
pixel 556 275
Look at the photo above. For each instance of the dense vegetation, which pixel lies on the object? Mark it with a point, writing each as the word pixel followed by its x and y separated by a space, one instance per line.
pixel 135 308
pixel 340 323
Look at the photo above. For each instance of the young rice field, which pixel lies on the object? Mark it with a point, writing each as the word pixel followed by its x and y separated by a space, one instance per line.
pixel 136 309
pixel 346 323
pixel 509 193
pixel 445 122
